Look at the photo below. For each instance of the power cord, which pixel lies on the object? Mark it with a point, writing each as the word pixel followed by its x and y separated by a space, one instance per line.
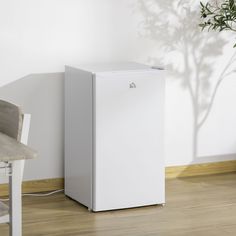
pixel 36 194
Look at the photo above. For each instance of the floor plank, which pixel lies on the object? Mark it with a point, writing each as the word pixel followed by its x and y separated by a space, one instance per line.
pixel 196 206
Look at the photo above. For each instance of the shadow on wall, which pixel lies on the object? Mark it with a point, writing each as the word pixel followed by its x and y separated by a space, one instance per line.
pixel 190 55
pixel 41 95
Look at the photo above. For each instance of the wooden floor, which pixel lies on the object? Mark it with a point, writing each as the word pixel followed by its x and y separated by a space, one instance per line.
pixel 196 206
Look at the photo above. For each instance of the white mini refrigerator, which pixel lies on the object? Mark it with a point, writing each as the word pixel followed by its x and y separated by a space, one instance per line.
pixel 114 146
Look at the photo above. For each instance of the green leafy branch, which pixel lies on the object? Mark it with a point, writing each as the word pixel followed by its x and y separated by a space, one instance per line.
pixel 219 17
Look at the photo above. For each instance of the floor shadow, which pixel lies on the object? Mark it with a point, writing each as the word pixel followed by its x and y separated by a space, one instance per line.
pixel 42 96
pixel 190 55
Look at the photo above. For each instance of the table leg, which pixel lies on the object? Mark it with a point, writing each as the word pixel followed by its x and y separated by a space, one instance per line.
pixel 15 203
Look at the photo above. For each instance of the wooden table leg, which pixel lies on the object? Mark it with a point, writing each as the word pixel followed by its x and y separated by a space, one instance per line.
pixel 15 203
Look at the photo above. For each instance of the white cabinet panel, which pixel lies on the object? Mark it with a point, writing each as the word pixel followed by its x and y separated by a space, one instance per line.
pixel 129 163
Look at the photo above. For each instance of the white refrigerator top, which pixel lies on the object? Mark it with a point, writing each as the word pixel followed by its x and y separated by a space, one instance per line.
pixel 110 67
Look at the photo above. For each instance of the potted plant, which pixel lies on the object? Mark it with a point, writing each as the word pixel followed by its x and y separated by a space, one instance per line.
pixel 219 16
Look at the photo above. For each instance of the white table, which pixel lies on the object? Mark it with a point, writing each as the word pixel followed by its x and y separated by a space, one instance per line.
pixel 12 153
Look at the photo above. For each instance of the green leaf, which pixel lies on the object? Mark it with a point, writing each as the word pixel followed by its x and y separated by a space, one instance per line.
pixel 231 4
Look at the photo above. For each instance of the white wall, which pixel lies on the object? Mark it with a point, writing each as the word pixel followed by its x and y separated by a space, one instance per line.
pixel 37 38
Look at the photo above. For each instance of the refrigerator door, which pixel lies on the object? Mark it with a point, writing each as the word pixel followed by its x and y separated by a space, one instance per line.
pixel 128 158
